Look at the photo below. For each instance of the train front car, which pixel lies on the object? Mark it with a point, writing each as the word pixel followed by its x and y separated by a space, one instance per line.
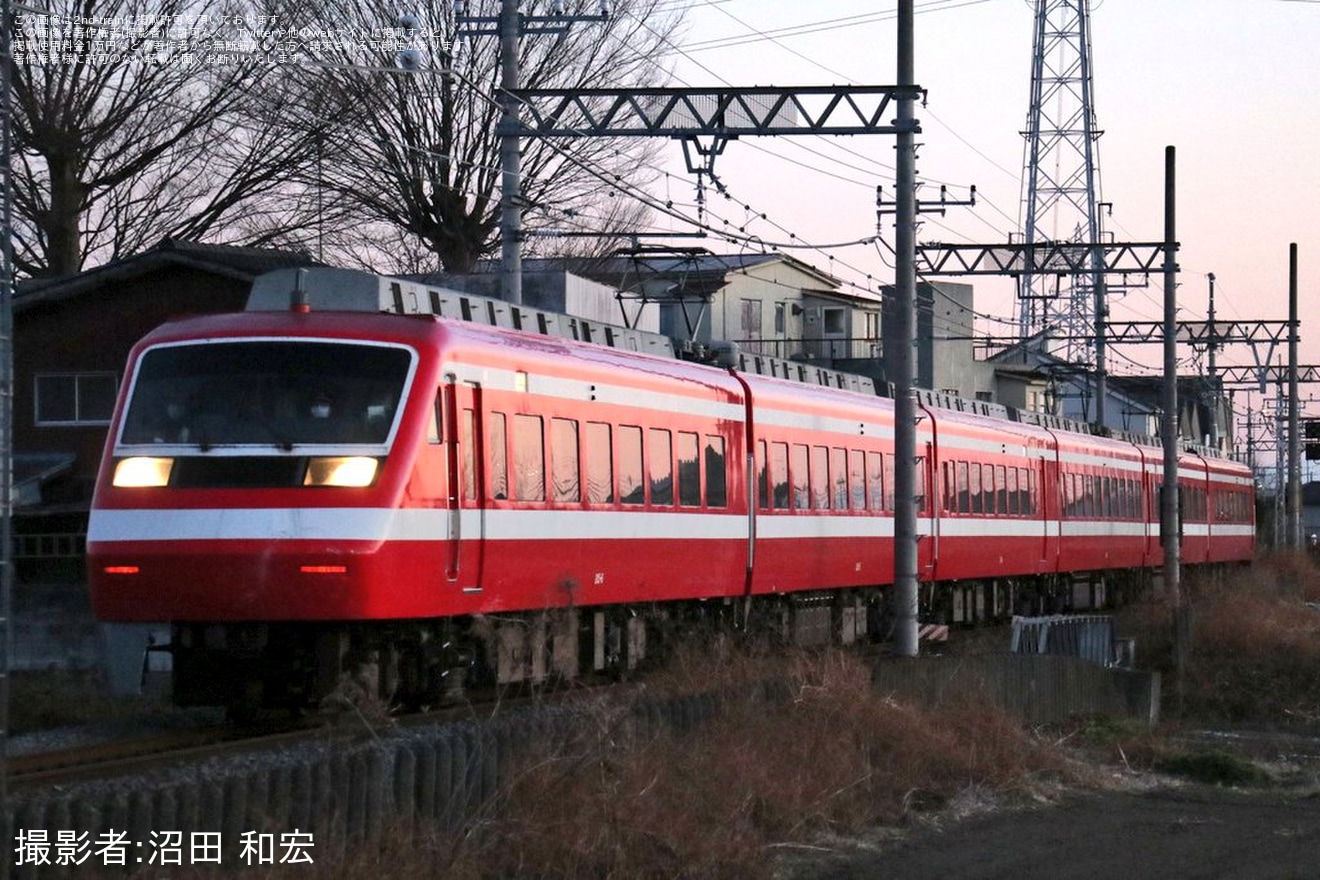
pixel 260 479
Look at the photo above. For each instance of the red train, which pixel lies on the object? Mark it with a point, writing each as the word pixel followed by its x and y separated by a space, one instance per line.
pixel 304 494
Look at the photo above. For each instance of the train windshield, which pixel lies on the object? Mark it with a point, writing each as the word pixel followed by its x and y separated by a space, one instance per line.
pixel 283 393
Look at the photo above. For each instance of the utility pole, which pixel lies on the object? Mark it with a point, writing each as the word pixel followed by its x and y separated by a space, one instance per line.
pixel 508 26
pixel 1213 347
pixel 1294 418
pixel 1169 535
pixel 904 359
pixel 510 158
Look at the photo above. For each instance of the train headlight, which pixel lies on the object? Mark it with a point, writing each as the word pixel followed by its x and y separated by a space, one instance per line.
pixel 349 470
pixel 142 471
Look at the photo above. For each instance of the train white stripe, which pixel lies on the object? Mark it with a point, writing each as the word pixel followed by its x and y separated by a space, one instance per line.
pixel 816 422
pixel 382 524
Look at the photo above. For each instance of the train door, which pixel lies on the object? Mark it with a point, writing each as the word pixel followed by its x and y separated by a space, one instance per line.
pixel 928 522
pixel 1047 502
pixel 467 454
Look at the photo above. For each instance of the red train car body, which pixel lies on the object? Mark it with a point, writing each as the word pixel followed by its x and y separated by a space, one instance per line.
pixel 303 495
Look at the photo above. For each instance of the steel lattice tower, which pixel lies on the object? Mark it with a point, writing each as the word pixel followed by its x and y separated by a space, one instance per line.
pixel 1061 179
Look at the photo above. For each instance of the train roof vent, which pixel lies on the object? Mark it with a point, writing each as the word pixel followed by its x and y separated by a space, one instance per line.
pixel 327 289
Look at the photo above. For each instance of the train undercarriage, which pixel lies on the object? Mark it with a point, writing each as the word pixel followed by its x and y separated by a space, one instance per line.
pixel 414 664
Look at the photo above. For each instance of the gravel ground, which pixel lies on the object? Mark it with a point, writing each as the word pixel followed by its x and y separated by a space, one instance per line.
pixel 1134 826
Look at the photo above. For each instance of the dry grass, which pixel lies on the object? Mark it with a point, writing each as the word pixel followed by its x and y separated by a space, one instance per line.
pixel 721 800
pixel 1255 645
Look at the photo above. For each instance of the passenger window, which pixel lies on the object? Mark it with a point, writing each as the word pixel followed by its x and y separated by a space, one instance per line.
pixel 564 474
pixel 600 472
pixel 660 457
pixel 717 494
pixel 820 478
pixel 857 478
pixel 762 475
pixel 631 488
pixel 800 473
pixel 528 458
pixel 875 480
pixel 689 470
pixel 779 474
pixel 469 456
pixel 839 478
pixel 497 457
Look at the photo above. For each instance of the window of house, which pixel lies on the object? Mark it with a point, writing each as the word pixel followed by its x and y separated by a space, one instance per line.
pixel 835 320
pixel 75 398
pixel 750 318
pixel 780 318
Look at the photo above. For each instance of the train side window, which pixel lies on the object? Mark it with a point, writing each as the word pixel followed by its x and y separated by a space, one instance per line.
pixel 598 460
pixel 889 481
pixel 779 474
pixel 963 502
pixel 433 427
pixel 498 457
pixel 469 452
pixel 800 473
pixel 856 479
pixel 528 458
pixel 565 476
pixel 762 475
pixel 839 477
pixel 1029 501
pixel 632 489
pixel 875 480
pixel 1012 502
pixel 820 478
pixel 689 469
pixel 974 487
pixel 717 492
pixel 660 458
pixel 950 497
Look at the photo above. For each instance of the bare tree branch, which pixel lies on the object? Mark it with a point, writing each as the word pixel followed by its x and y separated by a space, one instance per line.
pixel 419 152
pixel 118 147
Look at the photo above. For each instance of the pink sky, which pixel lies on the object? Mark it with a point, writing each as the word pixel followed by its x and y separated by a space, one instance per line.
pixel 1233 85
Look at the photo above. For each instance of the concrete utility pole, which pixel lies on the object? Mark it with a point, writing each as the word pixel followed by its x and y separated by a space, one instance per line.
pixel 510 157
pixel 508 26
pixel 1294 418
pixel 1212 348
pixel 1169 533
pixel 903 361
